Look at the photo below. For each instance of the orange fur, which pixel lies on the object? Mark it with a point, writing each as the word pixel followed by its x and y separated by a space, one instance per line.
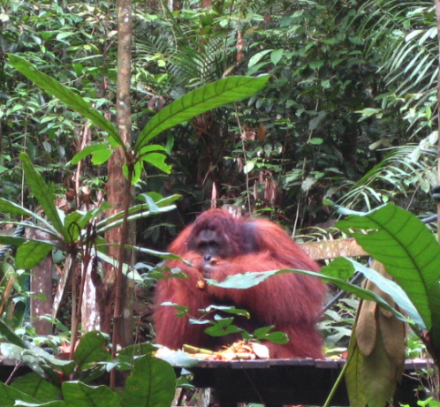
pixel 292 302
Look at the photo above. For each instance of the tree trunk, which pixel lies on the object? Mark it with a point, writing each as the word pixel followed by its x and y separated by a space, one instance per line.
pixel 112 288
pixel 41 283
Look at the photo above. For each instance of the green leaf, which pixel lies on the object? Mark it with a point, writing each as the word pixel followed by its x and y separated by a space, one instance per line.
pixel 79 394
pixel 256 58
pixel 275 337
pixel 150 148
pixel 137 172
pixel 229 309
pixel 152 383
pixel 250 165
pixel 261 332
pixel 63 93
pixel 222 327
pixel 75 222
pixel 149 201
pixel 14 209
pixel 71 225
pixel 8 396
pixel 58 403
pixel 137 350
pixel 103 228
pixel 127 270
pixel 390 287
pixel 151 252
pixel 101 156
pixel 167 200
pixel 31 253
pixel 92 149
pixel 92 348
pixel 379 384
pixel 353 380
pixel 11 336
pixel 339 268
pixel 200 101
pixel 407 249
pixel 250 279
pixel 316 64
pixel 276 55
pixel 34 385
pixel 43 194
pixel 12 240
pixel 36 358
pixel 242 281
pixel 158 160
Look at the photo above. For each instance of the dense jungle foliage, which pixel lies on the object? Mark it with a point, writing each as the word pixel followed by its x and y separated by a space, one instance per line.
pixel 348 115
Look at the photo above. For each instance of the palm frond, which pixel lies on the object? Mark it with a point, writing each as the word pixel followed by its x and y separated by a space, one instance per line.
pixel 406 168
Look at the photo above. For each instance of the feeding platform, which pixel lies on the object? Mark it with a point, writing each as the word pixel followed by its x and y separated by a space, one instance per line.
pixel 288 381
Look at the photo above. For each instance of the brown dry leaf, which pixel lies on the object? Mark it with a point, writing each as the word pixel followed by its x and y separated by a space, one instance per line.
pixel 261 132
pixel 378 375
pixel 381 344
pixel 393 334
pixel 240 45
pixel 366 326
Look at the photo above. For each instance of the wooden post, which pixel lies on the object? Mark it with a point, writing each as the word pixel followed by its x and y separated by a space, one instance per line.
pixel 41 283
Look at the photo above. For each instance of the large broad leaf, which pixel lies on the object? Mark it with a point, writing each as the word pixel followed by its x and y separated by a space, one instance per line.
pixel 128 271
pixel 36 386
pixel 14 209
pixel 43 194
pixel 151 384
pixel 31 253
pixel 63 93
pixel 407 249
pixel 36 358
pixel 8 396
pixel 158 160
pixel 76 222
pixel 92 349
pixel 250 279
pixel 12 240
pixel 11 336
pixel 142 210
pixel 200 101
pixel 151 252
pixel 79 394
pixel 58 403
pixel 392 289
pixel 94 149
pixel 101 229
pixel 353 380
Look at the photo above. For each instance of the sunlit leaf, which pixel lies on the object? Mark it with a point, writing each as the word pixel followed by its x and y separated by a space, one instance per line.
pixel 152 383
pixel 43 193
pixel 91 149
pixel 36 386
pixel 276 55
pixel 407 249
pixel 256 57
pixel 79 394
pixel 31 253
pixel 68 97
pixel 200 101
pixel 158 160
